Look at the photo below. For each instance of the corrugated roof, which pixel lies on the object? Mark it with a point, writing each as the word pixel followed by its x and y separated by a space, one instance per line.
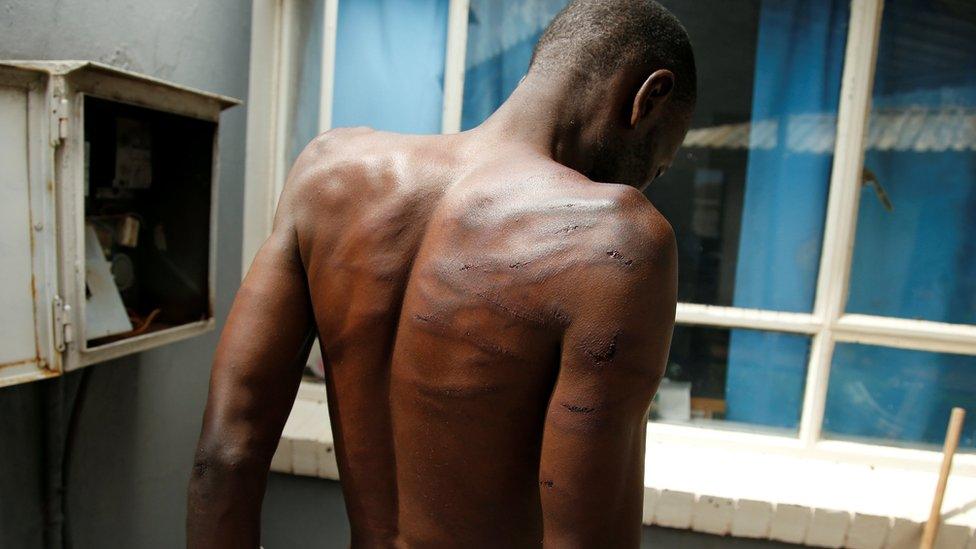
pixel 918 129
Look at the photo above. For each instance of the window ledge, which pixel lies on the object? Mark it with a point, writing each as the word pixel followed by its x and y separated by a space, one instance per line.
pixel 725 491
pixel 749 493
pixel 306 446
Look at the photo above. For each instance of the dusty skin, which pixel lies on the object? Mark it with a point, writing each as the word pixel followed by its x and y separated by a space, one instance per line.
pixel 494 325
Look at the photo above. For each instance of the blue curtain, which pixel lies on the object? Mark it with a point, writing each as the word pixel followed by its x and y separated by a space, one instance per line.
pixel 389 71
pixel 919 259
pixel 501 36
pixel 799 59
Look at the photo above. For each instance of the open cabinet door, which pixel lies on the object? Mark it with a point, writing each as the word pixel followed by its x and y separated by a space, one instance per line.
pixel 26 230
pixel 108 186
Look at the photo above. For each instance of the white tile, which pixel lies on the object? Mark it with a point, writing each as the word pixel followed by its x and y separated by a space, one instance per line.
pixel 302 413
pixel 867 531
pixel 315 423
pixel 311 390
pixel 712 515
pixel 651 497
pixel 308 438
pixel 304 459
pixel 904 534
pixel 751 518
pixel 828 528
pixel 327 466
pixel 739 472
pixel 789 523
pixel 953 536
pixel 281 462
pixel 674 509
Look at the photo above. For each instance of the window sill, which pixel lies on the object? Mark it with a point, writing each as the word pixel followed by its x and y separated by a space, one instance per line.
pixel 306 445
pixel 741 492
pixel 757 494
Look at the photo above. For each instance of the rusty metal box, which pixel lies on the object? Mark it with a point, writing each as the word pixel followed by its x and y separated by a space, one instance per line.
pixel 108 187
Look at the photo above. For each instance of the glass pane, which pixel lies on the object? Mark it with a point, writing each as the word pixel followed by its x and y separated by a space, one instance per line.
pixel 734 378
pixel 914 254
pixel 898 397
pixel 389 70
pixel 748 193
pixel 306 84
pixel 389 67
pixel 501 36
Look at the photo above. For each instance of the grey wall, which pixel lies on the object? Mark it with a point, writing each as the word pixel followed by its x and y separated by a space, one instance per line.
pixel 137 426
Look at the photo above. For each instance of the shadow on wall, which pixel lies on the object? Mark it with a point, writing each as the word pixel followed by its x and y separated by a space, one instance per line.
pixel 307 512
pixel 64 482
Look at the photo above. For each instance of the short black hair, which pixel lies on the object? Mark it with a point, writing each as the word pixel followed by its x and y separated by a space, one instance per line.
pixel 599 37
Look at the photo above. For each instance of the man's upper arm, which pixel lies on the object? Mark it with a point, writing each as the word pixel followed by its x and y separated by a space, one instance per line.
pixel 613 356
pixel 262 351
pixel 256 372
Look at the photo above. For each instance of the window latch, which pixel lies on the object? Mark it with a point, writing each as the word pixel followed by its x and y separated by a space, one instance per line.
pixel 868 178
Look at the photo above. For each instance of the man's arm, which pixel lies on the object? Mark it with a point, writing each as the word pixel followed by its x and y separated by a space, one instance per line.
pixel 591 476
pixel 256 373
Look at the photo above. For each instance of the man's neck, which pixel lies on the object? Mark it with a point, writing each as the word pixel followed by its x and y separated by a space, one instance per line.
pixel 552 115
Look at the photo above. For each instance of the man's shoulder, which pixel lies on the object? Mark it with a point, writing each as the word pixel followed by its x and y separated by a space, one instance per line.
pixel 629 252
pixel 628 224
pixel 348 166
pixel 362 145
pixel 638 219
pixel 337 151
pixel 581 239
pixel 325 157
pixel 556 208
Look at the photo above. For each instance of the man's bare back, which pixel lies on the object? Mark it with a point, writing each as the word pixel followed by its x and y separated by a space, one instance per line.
pixel 493 324
pixel 443 288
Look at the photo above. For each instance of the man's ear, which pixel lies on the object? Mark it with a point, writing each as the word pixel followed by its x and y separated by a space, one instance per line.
pixel 652 96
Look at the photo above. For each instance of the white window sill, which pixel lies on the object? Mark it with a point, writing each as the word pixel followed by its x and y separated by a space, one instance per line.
pixel 306 445
pixel 729 491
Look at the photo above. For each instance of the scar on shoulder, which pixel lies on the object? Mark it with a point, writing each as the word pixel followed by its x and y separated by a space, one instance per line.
pixel 578 409
pixel 603 350
pixel 616 255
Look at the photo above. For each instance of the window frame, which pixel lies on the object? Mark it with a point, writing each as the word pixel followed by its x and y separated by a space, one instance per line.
pixel 273 55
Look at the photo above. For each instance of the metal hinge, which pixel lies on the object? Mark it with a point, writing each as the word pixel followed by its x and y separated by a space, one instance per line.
pixel 59 111
pixel 63 330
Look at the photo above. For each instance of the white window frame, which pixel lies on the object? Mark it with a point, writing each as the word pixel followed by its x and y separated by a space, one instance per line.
pixel 273 53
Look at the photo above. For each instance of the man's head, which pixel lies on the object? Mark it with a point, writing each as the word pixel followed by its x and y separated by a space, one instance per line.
pixel 634 57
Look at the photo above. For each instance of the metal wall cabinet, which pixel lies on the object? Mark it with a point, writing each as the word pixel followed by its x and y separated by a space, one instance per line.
pixel 108 186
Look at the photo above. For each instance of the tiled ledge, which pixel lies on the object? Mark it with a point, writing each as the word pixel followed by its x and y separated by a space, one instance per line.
pixel 730 492
pixel 745 493
pixel 306 443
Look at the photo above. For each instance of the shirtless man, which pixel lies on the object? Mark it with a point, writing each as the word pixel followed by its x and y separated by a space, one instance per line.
pixel 495 308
